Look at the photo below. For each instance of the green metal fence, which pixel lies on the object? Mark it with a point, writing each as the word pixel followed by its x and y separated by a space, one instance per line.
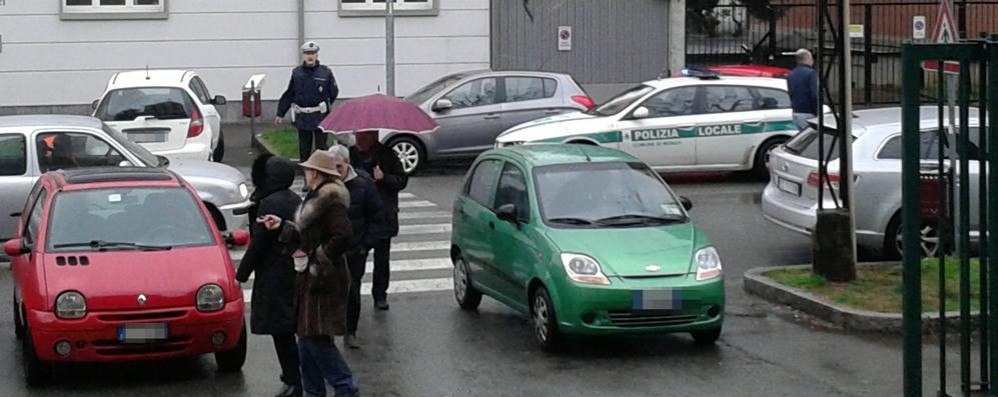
pixel 952 170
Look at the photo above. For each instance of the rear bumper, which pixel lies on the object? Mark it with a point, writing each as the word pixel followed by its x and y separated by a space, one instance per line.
pixel 94 337
pixel 786 215
pixel 190 151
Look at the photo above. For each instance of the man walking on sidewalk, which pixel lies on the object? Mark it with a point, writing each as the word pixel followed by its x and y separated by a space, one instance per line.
pixel 385 167
pixel 802 83
pixel 309 96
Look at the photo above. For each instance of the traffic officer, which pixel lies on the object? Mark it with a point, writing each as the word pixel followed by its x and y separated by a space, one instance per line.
pixel 310 94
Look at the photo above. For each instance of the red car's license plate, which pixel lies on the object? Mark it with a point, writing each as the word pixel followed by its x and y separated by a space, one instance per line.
pixel 143 333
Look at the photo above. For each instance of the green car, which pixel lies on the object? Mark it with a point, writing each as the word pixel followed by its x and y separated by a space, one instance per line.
pixel 585 240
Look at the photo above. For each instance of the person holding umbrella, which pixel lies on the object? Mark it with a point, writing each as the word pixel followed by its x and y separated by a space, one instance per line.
pixel 309 96
pixel 363 117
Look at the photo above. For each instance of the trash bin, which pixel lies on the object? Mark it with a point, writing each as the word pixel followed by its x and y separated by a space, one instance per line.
pixel 251 104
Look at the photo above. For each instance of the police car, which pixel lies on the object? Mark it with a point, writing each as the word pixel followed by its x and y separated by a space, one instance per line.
pixel 705 122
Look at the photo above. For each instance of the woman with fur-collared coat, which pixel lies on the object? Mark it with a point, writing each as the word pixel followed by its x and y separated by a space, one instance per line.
pixel 322 230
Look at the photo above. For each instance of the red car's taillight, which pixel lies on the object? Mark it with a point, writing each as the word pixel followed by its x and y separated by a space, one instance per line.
pixel 584 101
pixel 197 125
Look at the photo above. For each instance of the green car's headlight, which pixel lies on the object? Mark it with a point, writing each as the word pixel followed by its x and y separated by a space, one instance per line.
pixel 583 269
pixel 708 263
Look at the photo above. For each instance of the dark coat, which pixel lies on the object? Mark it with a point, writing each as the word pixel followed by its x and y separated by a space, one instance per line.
pixel 309 86
pixel 273 308
pixel 322 230
pixel 366 212
pixel 394 181
pixel 802 84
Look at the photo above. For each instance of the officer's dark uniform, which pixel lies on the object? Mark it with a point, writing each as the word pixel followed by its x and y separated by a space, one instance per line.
pixel 309 86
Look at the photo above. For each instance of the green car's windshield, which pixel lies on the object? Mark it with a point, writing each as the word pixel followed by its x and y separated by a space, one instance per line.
pixel 622 101
pixel 604 194
pixel 127 219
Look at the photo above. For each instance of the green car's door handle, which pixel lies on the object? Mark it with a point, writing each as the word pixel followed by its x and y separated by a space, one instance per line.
pixel 492 225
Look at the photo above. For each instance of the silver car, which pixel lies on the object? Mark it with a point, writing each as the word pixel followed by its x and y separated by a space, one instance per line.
pixel 33 145
pixel 473 108
pixel 790 198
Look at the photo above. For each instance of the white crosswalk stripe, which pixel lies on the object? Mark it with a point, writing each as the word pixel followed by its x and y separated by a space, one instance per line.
pixel 417 266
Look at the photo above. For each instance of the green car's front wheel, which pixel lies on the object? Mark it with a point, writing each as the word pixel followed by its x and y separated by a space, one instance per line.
pixel 706 337
pixel 545 321
pixel 466 295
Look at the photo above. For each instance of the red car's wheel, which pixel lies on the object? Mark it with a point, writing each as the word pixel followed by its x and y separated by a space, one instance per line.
pixel 36 371
pixel 18 325
pixel 233 360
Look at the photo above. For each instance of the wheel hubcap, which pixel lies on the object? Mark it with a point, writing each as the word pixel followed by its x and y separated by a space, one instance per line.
pixel 541 318
pixel 460 281
pixel 408 154
pixel 928 237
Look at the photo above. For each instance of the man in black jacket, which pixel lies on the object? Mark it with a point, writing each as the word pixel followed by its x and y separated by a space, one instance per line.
pixel 369 228
pixel 370 156
pixel 273 309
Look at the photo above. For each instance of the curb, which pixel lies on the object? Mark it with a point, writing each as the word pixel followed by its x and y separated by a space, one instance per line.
pixel 755 283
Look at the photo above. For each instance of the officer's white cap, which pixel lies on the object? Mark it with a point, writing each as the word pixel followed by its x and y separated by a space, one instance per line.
pixel 309 47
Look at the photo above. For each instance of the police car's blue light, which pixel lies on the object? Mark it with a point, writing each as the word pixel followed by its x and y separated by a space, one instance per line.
pixel 700 73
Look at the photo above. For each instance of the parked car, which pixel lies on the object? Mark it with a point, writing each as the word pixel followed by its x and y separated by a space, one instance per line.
pixel 790 200
pixel 33 145
pixel 472 108
pixel 585 240
pixel 170 112
pixel 121 264
pixel 706 123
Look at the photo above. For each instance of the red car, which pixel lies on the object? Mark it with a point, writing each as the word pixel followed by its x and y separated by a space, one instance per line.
pixel 122 264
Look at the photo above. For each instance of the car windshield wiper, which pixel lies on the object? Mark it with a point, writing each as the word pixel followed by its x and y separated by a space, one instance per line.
pixel 571 221
pixel 105 245
pixel 640 219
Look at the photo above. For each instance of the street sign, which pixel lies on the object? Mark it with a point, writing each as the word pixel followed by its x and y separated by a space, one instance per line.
pixel 918 27
pixel 564 38
pixel 944 33
pixel 855 31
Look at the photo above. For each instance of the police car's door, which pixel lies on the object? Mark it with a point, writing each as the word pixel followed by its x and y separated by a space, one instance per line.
pixel 730 123
pixel 658 131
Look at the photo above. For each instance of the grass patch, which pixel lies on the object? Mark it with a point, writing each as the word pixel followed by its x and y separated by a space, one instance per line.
pixel 878 289
pixel 284 141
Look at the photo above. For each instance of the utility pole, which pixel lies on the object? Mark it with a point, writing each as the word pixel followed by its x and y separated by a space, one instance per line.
pixel 390 47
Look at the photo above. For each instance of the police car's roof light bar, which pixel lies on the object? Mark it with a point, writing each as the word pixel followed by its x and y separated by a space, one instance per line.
pixel 700 73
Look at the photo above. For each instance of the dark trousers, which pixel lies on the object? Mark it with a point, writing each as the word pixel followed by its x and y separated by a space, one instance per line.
pixel 321 363
pixel 382 274
pixel 357 264
pixel 305 139
pixel 287 355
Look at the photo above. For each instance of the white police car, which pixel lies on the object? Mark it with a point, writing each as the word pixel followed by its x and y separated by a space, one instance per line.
pixel 702 123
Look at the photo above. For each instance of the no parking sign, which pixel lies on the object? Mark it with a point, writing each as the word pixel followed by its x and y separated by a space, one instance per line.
pixel 918 28
pixel 564 38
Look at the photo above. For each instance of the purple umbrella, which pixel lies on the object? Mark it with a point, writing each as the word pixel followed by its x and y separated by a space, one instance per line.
pixel 377 112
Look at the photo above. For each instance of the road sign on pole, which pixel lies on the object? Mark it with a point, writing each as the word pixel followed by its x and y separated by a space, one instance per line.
pixel 944 33
pixel 918 27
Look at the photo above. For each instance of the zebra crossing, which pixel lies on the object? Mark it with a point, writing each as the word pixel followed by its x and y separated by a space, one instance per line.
pixel 420 255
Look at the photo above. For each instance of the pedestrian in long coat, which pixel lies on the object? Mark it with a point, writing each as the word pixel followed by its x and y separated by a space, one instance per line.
pixel 273 309
pixel 322 230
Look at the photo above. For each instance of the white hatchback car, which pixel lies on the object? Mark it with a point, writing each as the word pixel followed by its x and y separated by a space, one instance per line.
pixel 169 112
pixel 682 124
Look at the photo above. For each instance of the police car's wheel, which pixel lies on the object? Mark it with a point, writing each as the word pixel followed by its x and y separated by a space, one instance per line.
pixel 410 152
pixel 759 167
pixel 219 151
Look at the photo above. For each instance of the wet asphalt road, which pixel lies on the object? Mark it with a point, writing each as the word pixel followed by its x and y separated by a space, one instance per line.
pixel 426 346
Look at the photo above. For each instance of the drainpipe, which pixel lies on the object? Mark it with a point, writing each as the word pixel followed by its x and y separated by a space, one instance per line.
pixel 676 53
pixel 301 24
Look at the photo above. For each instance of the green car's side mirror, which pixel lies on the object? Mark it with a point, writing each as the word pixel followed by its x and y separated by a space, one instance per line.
pixel 687 204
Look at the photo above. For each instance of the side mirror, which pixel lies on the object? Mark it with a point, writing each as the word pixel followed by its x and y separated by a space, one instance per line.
pixel 15 247
pixel 93 105
pixel 238 238
pixel 687 204
pixel 640 113
pixel 507 212
pixel 125 163
pixel 219 100
pixel 443 104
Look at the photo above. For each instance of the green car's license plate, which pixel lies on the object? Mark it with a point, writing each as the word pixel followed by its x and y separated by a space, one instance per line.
pixel 657 300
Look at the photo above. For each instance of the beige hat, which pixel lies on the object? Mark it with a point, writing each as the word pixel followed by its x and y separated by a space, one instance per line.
pixel 322 161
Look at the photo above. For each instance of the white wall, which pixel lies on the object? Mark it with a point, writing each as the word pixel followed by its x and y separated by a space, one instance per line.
pixel 48 61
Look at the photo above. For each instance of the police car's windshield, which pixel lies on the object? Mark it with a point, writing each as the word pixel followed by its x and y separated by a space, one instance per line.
pixel 604 194
pixel 622 101
pixel 433 88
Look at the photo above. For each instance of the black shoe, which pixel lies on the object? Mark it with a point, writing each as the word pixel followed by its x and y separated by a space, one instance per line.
pixel 289 391
pixel 355 393
pixel 381 305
